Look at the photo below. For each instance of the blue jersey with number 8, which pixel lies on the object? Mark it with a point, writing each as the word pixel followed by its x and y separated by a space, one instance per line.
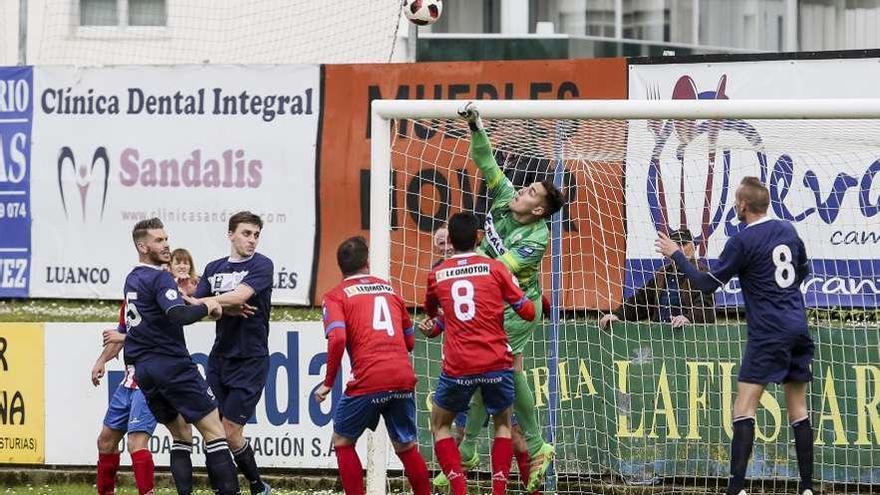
pixel 771 261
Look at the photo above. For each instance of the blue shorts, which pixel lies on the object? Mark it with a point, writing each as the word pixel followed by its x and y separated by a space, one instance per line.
pixel 238 384
pixel 454 393
pixel 354 414
pixel 128 412
pixel 172 386
pixel 778 362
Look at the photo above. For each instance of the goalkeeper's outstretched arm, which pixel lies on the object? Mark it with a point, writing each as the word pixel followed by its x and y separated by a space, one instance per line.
pixel 500 188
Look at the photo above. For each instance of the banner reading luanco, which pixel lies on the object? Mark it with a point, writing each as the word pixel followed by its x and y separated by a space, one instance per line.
pixel 190 145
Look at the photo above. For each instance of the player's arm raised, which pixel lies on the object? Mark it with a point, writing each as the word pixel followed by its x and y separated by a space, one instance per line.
pixel 334 330
pixel 514 296
pixel 500 188
pixel 729 262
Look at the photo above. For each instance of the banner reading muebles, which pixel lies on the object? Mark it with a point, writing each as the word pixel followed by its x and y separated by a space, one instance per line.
pixel 345 166
pixel 190 145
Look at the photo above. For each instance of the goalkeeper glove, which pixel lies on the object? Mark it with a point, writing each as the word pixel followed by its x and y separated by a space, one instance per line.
pixel 470 112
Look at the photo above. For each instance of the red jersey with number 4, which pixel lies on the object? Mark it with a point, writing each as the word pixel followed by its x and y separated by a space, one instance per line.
pixel 376 324
pixel 473 292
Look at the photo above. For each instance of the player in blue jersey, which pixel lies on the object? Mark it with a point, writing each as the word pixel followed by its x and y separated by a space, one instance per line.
pixel 155 313
pixel 771 261
pixel 239 361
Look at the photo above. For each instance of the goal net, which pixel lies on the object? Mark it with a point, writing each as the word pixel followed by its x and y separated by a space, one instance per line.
pixel 643 404
pixel 114 32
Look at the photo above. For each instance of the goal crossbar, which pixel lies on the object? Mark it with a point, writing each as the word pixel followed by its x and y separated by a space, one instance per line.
pixel 384 111
pixel 837 109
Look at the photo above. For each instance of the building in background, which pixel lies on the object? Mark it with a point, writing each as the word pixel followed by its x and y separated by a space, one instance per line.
pixel 102 32
pixel 575 28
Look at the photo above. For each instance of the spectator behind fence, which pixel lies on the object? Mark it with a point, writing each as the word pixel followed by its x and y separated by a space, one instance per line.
pixel 184 272
pixel 668 296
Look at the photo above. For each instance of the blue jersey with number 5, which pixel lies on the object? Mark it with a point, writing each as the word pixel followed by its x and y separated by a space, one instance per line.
pixel 150 292
pixel 771 261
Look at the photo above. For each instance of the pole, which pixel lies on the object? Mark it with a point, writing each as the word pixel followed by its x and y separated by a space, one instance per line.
pixel 22 31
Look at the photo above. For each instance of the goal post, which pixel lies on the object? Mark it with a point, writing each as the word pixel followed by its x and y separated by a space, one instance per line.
pixel 641 404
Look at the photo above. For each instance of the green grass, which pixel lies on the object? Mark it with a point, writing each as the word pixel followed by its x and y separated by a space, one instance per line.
pixel 88 310
pixel 83 489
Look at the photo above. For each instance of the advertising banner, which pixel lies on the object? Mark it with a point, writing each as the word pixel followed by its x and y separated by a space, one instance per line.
pixel 430 165
pixel 649 402
pixel 190 145
pixel 21 393
pixel 16 121
pixel 822 175
pixel 289 430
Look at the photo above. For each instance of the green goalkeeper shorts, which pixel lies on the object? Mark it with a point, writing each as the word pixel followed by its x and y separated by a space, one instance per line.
pixel 519 331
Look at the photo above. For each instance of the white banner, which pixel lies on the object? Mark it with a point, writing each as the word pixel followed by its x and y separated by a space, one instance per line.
pixel 821 174
pixel 291 429
pixel 188 144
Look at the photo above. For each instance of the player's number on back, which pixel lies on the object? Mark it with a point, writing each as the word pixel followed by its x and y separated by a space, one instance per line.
pixel 463 300
pixel 382 316
pixel 785 273
pixel 132 317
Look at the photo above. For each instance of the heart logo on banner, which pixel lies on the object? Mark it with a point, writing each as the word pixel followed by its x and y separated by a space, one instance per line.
pixel 83 176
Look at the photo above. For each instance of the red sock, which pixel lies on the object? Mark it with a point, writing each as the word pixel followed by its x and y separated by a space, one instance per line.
pixel 502 455
pixel 142 465
pixel 416 471
pixel 108 464
pixel 522 460
pixel 351 473
pixel 450 461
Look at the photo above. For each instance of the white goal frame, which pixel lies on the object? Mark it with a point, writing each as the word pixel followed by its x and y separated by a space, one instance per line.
pixel 384 111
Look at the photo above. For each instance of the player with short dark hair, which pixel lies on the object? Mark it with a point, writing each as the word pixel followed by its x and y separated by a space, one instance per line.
pixel 127 416
pixel 364 315
pixel 471 290
pixel 517 235
pixel 177 395
pixel 771 261
pixel 238 365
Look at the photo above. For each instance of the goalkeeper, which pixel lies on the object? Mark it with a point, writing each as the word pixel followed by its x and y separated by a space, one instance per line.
pixel 517 235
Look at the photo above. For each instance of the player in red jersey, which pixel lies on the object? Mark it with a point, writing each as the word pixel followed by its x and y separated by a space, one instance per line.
pixel 364 315
pixel 471 291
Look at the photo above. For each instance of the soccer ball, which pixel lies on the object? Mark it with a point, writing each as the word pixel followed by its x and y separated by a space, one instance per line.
pixel 423 12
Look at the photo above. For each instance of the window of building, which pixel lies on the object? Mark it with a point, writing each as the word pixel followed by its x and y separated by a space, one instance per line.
pixel 123 13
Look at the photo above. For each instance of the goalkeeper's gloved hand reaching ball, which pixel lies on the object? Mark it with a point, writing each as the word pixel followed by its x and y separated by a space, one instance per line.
pixel 470 112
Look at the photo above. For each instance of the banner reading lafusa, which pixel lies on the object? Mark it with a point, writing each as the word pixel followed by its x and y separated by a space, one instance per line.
pixel 190 145
pixel 822 175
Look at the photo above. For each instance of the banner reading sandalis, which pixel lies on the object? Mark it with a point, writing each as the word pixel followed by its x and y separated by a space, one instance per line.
pixel 190 145
pixel 821 174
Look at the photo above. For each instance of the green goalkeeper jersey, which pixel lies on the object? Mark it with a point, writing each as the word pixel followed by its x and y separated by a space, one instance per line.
pixel 519 246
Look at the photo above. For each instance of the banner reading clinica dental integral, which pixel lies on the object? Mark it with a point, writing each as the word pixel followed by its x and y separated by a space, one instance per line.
pixel 822 175
pixel 190 145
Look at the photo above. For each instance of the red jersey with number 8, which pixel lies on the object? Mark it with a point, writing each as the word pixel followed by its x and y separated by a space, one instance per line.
pixel 473 292
pixel 376 323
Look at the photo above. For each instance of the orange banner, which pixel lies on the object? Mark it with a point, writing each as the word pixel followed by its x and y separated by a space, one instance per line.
pixel 432 170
